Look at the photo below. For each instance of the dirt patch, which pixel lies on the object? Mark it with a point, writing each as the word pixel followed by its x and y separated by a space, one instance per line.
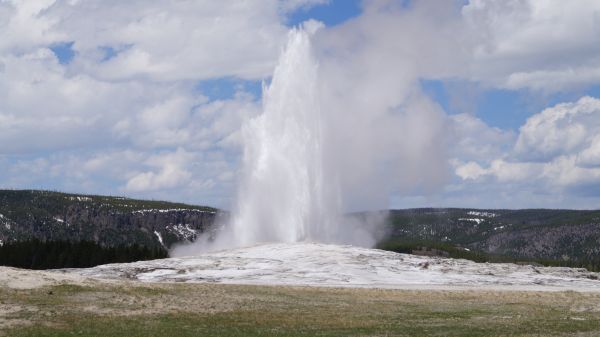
pixel 15 278
pixel 12 315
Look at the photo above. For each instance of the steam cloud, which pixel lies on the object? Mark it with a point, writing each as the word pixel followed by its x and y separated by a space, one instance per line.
pixel 344 125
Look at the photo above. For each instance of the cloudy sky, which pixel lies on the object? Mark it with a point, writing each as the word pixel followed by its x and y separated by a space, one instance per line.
pixel 481 103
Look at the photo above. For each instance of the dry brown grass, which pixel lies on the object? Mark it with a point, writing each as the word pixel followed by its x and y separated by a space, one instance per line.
pixel 133 309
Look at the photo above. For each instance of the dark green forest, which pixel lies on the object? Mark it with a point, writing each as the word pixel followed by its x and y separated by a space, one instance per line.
pixel 450 250
pixel 37 254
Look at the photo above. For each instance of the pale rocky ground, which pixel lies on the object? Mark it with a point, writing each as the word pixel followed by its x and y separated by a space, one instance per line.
pixel 314 264
pixel 15 278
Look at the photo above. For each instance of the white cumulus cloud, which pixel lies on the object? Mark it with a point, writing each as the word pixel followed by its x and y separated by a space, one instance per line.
pixel 544 45
pixel 556 152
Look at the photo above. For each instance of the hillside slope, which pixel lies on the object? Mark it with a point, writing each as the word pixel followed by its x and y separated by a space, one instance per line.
pixel 565 235
pixel 109 221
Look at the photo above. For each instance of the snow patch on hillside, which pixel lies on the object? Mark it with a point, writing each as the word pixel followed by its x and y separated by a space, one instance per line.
pixel 62 221
pixel 159 237
pixel 153 210
pixel 478 221
pixel 79 198
pixel 482 214
pixel 182 231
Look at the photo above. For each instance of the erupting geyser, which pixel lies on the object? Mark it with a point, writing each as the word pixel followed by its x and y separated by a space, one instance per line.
pixel 286 193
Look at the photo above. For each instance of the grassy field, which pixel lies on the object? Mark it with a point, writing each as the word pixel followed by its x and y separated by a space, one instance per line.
pixel 132 309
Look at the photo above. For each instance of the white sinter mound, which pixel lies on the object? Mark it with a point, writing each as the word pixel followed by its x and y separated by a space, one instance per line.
pixel 312 264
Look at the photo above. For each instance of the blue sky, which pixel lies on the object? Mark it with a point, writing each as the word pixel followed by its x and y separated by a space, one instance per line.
pixel 501 100
pixel 502 108
pixel 332 13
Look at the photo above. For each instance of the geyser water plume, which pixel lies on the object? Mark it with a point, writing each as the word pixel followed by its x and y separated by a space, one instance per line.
pixel 286 192
pixel 289 188
pixel 348 133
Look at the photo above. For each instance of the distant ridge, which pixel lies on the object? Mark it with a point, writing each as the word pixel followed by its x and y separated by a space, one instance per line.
pixel 552 236
pixel 108 221
pixel 546 236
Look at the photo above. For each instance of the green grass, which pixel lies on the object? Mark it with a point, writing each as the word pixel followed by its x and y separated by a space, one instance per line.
pixel 124 309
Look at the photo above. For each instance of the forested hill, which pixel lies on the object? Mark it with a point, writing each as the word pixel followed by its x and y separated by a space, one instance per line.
pixel 117 225
pixel 571 237
pixel 107 221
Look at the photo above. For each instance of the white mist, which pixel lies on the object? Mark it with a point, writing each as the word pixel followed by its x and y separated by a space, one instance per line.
pixel 289 188
pixel 286 193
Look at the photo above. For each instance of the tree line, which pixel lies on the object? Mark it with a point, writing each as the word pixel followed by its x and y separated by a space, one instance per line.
pixel 38 254
pixel 399 246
